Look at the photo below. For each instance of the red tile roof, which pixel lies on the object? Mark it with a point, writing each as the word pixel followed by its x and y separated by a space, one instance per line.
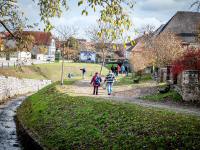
pixel 41 38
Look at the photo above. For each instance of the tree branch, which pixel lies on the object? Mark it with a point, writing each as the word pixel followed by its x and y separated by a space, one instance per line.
pixel 1 22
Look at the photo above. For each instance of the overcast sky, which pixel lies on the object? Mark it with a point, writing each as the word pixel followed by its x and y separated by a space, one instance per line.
pixel 154 12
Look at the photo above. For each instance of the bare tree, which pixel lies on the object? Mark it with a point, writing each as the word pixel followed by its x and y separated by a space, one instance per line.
pixel 103 43
pixel 65 32
pixel 196 4
pixel 139 59
pixel 163 49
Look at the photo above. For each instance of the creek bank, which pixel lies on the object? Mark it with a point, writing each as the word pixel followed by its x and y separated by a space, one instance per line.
pixel 8 135
pixel 27 139
pixel 11 86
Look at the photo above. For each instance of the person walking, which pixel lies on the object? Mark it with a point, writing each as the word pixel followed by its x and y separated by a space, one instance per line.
pixel 122 69
pixel 113 69
pixel 109 81
pixel 96 81
pixel 118 69
pixel 126 70
pixel 83 72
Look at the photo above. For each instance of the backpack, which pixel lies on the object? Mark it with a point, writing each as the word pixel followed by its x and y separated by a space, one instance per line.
pixel 97 81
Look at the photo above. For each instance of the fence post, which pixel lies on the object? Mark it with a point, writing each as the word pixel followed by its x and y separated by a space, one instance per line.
pixel 8 64
pixel 2 64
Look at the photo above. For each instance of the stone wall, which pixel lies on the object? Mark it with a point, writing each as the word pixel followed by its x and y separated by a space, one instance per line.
pixel 190 85
pixel 11 86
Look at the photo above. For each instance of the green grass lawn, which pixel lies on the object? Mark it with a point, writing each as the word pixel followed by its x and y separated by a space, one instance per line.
pixel 52 71
pixel 128 80
pixel 65 122
pixel 171 95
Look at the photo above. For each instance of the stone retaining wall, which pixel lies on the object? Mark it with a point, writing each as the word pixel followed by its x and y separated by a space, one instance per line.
pixel 11 86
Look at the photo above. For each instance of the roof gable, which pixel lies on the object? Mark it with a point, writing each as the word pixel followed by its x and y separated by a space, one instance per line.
pixel 41 38
pixel 183 24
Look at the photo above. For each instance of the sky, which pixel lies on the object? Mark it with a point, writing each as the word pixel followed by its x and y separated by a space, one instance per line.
pixel 153 12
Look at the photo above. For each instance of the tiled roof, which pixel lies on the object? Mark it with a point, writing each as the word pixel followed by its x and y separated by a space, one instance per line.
pixel 41 38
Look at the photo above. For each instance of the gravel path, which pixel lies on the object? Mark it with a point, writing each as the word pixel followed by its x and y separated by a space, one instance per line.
pixel 130 94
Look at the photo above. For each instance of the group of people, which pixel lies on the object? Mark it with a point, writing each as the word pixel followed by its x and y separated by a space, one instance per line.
pixel 109 80
pixel 119 69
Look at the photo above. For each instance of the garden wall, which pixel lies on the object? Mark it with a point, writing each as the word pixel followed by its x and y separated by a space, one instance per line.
pixel 190 85
pixel 11 86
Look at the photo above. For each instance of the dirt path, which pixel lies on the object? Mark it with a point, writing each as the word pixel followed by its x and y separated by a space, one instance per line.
pixel 130 94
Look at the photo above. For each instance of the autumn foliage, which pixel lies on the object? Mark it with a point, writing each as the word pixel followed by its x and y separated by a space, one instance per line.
pixel 189 61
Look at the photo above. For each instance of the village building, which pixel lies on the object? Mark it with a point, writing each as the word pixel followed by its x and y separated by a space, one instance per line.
pixel 183 24
pixel 45 40
pixel 41 39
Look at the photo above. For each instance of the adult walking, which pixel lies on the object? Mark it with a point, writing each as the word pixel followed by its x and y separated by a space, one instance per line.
pixel 110 78
pixel 118 69
pixel 83 72
pixel 122 69
pixel 113 69
pixel 126 70
pixel 96 81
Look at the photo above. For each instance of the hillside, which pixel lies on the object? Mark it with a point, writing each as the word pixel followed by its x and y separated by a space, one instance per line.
pixel 51 71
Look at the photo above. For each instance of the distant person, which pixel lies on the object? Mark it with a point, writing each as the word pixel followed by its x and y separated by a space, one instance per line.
pixel 110 78
pixel 116 72
pixel 122 69
pixel 126 70
pixel 96 81
pixel 118 69
pixel 69 75
pixel 83 72
pixel 113 69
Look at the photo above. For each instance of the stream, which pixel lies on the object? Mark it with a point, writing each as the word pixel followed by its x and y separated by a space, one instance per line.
pixel 8 135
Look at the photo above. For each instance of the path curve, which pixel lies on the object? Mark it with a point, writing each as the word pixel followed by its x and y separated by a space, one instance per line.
pixel 122 94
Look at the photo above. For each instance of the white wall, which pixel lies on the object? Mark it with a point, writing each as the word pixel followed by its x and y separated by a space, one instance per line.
pixel 52 48
pixel 12 86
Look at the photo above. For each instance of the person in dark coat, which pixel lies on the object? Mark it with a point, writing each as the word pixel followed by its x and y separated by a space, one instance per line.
pixel 126 70
pixel 113 69
pixel 83 72
pixel 96 81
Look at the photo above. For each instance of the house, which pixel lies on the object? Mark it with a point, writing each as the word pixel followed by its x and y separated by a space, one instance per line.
pixel 183 24
pixel 46 40
pixel 87 56
pixel 41 39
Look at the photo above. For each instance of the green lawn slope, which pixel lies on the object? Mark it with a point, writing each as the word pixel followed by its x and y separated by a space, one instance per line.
pixel 65 122
pixel 51 71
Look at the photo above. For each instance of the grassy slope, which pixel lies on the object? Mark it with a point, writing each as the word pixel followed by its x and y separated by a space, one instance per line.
pixel 51 71
pixel 64 122
pixel 171 95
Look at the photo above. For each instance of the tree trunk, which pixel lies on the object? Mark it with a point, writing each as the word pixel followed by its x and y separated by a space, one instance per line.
pixel 103 62
pixel 62 71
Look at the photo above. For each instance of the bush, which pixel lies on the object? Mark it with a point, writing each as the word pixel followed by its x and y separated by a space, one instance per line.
pixel 189 61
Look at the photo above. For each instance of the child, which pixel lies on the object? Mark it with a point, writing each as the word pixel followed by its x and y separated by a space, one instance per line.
pixel 96 80
pixel 110 80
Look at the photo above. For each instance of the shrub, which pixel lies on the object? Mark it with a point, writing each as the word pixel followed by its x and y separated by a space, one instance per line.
pixel 189 61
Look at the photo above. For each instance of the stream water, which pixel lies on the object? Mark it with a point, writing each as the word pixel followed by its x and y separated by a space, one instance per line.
pixel 8 135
